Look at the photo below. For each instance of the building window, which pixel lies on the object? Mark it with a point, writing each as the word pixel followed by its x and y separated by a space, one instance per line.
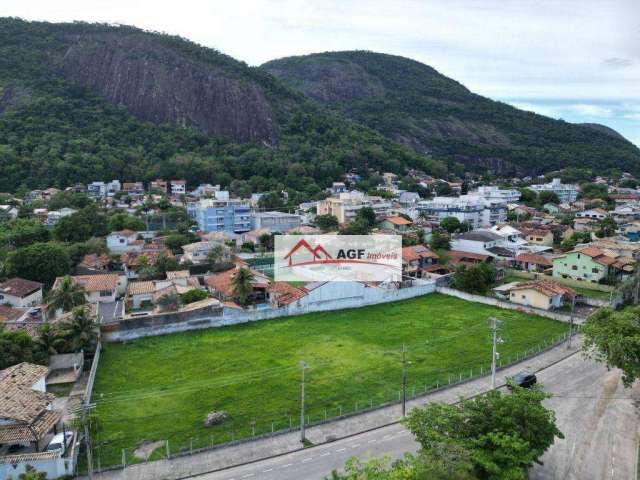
pixel 121 240
pixel 574 267
pixel 105 293
pixel 594 270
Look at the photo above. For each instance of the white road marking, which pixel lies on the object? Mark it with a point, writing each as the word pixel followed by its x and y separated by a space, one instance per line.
pixel 308 459
pixel 372 441
pixel 287 465
pixel 247 475
pixel 325 454
pixel 267 470
pixel 355 445
pixel 341 450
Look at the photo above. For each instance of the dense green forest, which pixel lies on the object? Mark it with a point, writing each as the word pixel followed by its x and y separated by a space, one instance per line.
pixel 55 133
pixel 414 104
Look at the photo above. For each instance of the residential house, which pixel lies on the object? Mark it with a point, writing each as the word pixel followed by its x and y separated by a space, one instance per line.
pixel 418 260
pixel 100 288
pixel 158 185
pixel 469 259
pixel 221 285
pixel 538 236
pixel 123 241
pixel 97 190
pixel 19 292
pixel 532 262
pixel 477 241
pixel 178 187
pixel 133 261
pixel 8 212
pixel 409 199
pixel 397 224
pixel 144 294
pixel 276 222
pixel 594 213
pixel 54 216
pixel 542 294
pixel 28 422
pixel 585 225
pixel 133 189
pixel 591 264
pixel 93 263
pixel 197 252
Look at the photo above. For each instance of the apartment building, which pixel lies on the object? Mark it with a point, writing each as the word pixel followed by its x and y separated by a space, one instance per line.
pixel 475 210
pixel 276 222
pixel 346 206
pixel 213 215
pixel 567 193
pixel 497 195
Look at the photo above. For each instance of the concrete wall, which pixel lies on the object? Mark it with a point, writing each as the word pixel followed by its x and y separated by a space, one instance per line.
pixel 54 467
pixel 327 297
pixel 63 361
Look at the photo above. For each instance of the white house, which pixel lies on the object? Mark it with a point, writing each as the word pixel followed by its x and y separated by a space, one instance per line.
pixel 197 252
pixel 594 213
pixel 19 292
pixel 178 187
pixel 122 241
pixel 101 288
pixel 565 192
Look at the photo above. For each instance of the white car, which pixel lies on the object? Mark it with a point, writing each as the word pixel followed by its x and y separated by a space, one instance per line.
pixel 56 442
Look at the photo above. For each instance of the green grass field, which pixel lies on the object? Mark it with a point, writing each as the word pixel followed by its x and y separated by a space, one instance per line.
pixel 162 387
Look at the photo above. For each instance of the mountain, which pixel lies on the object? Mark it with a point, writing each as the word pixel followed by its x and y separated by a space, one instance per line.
pixel 604 129
pixel 415 105
pixel 82 102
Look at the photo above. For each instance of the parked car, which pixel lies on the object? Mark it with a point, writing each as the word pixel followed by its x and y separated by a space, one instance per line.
pixel 524 379
pixel 60 442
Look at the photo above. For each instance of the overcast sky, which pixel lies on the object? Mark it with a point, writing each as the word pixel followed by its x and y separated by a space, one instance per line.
pixel 573 59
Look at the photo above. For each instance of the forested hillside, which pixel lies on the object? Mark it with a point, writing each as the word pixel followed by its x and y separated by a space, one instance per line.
pixel 82 102
pixel 414 104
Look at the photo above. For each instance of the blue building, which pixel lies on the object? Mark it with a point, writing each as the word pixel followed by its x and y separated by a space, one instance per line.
pixel 232 216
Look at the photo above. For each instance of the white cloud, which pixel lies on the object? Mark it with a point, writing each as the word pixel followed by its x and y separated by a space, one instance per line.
pixel 592 111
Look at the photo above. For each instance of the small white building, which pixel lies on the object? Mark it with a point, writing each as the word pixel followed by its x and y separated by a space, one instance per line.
pixel 19 292
pixel 197 252
pixel 122 241
pixel 277 222
pixel 566 192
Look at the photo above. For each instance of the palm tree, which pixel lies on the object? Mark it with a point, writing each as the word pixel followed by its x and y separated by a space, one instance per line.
pixel 67 295
pixel 49 339
pixel 80 332
pixel 242 287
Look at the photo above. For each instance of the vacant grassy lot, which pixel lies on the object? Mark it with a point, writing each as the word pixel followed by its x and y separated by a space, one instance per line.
pixel 162 387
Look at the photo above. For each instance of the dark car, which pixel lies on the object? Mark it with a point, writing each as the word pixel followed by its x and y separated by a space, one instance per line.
pixel 523 379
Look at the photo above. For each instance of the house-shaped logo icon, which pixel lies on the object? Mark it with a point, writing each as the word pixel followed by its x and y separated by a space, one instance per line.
pixel 302 252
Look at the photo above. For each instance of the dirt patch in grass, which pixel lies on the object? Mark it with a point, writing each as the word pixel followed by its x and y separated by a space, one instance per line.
pixel 146 449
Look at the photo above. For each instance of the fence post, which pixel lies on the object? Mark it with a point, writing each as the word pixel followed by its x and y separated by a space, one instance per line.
pixel 325 414
pixel 168 450
pixel 356 406
pixel 480 370
pixel 272 430
pixel 460 376
pixel 340 406
pixel 449 379
pixel 290 422
pixel 191 445
pixel 124 459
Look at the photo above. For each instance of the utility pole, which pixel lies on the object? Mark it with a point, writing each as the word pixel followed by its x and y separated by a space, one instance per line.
pixel 84 408
pixel 495 323
pixel 573 306
pixel 302 399
pixel 404 380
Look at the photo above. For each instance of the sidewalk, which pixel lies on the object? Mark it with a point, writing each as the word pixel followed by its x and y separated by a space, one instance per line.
pixel 262 448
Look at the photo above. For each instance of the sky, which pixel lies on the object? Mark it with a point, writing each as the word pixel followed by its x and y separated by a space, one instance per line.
pixel 578 60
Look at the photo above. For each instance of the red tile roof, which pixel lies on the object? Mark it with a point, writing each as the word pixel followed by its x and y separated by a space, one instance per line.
pixel 545 287
pixel 535 259
pixel 398 220
pixel 19 287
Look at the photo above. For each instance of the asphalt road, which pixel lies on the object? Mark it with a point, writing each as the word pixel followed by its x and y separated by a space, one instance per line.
pixel 597 416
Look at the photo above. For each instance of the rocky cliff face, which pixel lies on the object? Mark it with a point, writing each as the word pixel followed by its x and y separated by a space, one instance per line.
pixel 161 85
